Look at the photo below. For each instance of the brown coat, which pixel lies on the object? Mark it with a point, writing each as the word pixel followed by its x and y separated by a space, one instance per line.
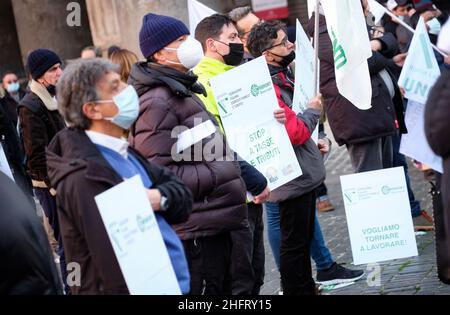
pixel 349 124
pixel 167 101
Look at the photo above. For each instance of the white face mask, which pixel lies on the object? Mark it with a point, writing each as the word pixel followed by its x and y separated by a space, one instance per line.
pixel 190 53
pixel 13 87
pixel 435 26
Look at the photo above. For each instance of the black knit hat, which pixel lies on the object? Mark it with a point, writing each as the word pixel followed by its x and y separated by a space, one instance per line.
pixel 40 61
pixel 158 31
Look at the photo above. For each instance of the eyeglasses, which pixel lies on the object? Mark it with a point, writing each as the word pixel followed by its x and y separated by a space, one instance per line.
pixel 285 42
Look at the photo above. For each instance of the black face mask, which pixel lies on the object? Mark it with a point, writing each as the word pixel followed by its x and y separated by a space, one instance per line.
pixel 286 60
pixel 236 55
pixel 51 89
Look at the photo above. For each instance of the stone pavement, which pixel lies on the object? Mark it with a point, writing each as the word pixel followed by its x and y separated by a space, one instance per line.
pixel 416 275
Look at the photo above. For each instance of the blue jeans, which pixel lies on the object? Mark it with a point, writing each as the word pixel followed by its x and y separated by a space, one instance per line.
pixel 319 251
pixel 399 161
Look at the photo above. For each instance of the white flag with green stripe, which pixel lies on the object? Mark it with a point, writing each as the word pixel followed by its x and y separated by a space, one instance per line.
pixel 351 48
pixel 421 70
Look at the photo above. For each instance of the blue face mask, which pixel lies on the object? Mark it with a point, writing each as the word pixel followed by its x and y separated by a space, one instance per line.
pixel 128 103
pixel 13 87
pixel 435 26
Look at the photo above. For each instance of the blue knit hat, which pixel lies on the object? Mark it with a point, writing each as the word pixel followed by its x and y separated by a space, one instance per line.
pixel 158 31
pixel 40 61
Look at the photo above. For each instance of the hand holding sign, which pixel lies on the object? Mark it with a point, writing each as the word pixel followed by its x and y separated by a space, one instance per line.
pixel 316 103
pixel 280 116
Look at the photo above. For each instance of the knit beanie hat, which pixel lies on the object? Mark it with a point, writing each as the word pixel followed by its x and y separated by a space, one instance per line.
pixel 158 31
pixel 40 61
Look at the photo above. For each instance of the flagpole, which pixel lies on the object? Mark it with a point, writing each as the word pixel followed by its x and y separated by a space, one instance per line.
pixel 316 48
pixel 409 28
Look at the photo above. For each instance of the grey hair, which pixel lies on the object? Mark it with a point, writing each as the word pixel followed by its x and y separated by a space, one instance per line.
pixel 78 86
pixel 238 14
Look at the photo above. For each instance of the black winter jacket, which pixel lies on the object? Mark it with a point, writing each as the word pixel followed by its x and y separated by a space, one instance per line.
pixel 38 127
pixel 168 101
pixel 27 265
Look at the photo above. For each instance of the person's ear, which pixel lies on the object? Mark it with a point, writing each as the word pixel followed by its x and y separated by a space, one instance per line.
pixel 268 56
pixel 159 56
pixel 210 45
pixel 91 112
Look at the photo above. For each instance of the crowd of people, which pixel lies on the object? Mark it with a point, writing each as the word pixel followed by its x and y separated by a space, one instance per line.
pixel 78 130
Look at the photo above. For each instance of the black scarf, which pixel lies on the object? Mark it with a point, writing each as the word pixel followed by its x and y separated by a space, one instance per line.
pixel 180 83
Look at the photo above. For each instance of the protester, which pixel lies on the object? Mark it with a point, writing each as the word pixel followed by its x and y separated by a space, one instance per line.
pixel 223 51
pixel 244 19
pixel 91 157
pixel 270 40
pixel 112 49
pixel 91 52
pixel 39 123
pixel 366 133
pixel 168 100
pixel 11 146
pixel 125 59
pixel 27 261
pixel 13 93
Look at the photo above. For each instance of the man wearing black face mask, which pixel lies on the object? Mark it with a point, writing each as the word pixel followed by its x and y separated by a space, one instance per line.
pixel 39 122
pixel 296 199
pixel 223 51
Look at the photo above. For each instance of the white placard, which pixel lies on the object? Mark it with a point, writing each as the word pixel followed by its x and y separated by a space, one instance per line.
pixel 246 100
pixel 4 165
pixel 379 216
pixel 136 239
pixel 415 144
pixel 304 75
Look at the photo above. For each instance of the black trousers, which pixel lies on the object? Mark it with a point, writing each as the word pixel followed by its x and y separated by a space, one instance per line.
pixel 48 203
pixel 209 264
pixel 297 228
pixel 248 255
pixel 255 220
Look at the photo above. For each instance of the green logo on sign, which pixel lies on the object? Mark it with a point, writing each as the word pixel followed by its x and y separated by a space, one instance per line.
pixel 260 89
pixel 144 224
pixel 255 90
pixel 222 105
pixel 386 190
pixel 340 59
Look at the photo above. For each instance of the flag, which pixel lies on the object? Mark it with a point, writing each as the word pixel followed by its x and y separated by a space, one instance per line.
pixel 197 12
pixel 421 70
pixel 311 7
pixel 377 10
pixel 351 48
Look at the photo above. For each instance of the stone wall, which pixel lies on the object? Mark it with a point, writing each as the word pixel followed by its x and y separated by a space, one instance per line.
pixel 43 24
pixel 117 22
pixel 10 55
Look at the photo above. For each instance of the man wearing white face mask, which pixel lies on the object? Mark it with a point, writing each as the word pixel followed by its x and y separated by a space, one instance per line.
pixel 174 129
pixel 91 157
